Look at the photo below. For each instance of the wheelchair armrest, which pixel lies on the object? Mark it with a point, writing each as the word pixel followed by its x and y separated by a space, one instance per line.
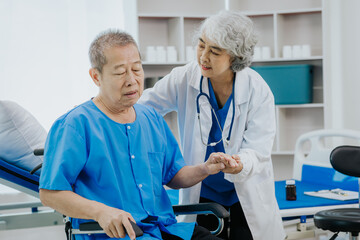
pixel 201 208
pixel 39 152
pixel 94 226
pixel 204 208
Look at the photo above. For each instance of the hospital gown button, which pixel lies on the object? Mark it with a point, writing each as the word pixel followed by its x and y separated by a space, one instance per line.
pixel 140 185
pixel 132 156
pixel 128 127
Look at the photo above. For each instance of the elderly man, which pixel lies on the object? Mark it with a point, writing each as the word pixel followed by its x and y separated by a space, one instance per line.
pixel 108 158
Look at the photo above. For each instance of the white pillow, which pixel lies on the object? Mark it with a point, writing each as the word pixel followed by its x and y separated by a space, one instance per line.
pixel 20 134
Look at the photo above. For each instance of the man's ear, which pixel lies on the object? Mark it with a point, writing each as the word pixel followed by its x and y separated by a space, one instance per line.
pixel 95 75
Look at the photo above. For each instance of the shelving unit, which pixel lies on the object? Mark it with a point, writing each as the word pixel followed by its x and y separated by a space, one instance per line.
pixel 278 23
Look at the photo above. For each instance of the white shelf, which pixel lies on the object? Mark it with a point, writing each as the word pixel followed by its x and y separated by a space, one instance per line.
pixel 164 63
pixel 278 23
pixel 283 153
pixel 247 13
pixel 290 11
pixel 166 15
pixel 308 105
pixel 300 11
pixel 272 60
pixel 289 59
pixel 273 5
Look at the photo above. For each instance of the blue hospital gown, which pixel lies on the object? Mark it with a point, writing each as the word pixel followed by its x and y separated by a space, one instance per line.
pixel 121 165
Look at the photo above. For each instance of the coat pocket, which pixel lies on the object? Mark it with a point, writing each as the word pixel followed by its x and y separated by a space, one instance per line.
pixel 156 161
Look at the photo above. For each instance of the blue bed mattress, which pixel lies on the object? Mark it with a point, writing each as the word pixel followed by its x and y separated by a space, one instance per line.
pixel 303 200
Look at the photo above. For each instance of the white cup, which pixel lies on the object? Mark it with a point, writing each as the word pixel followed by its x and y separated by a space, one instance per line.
pixel 257 53
pixel 190 53
pixel 287 51
pixel 306 50
pixel 296 51
pixel 150 54
pixel 265 52
pixel 171 54
pixel 160 54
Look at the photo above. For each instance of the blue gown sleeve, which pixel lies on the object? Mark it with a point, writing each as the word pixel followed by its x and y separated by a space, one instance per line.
pixel 64 158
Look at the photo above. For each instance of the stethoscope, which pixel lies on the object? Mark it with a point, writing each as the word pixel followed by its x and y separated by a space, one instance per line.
pixel 226 140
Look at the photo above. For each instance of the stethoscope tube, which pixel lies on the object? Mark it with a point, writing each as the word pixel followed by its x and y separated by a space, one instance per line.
pixel 227 140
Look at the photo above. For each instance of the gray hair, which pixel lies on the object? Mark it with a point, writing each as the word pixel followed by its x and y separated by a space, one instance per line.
pixel 233 32
pixel 105 40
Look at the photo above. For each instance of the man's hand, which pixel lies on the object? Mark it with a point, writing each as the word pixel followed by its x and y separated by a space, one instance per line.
pixel 114 222
pixel 234 170
pixel 220 162
pixel 190 175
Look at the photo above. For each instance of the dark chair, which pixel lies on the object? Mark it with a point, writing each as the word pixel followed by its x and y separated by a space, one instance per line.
pixel 345 159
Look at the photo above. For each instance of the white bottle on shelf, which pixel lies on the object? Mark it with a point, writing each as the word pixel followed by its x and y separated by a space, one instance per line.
pixel 296 51
pixel 160 54
pixel 306 50
pixel 287 51
pixel 150 54
pixel 190 53
pixel 171 54
pixel 257 53
pixel 265 52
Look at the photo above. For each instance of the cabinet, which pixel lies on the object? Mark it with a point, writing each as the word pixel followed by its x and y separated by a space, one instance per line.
pixel 278 23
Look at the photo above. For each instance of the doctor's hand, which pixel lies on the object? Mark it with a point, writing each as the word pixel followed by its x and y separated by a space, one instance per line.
pixel 219 162
pixel 234 170
pixel 116 222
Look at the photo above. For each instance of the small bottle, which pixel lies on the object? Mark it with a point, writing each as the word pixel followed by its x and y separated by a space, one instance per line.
pixel 160 54
pixel 171 54
pixel 290 190
pixel 150 54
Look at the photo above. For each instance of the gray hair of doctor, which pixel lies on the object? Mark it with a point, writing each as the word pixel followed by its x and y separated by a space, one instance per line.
pixel 105 40
pixel 235 33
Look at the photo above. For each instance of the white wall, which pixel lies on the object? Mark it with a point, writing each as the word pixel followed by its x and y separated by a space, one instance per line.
pixel 44 62
pixel 351 63
pixel 43 51
pixel 342 51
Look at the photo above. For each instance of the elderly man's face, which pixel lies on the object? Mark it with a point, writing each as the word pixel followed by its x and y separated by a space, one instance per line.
pixel 122 77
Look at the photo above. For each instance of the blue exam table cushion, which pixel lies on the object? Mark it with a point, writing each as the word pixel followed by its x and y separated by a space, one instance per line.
pixel 20 134
pixel 304 201
pixel 315 178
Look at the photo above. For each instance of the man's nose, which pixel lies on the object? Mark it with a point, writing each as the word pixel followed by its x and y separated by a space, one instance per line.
pixel 130 78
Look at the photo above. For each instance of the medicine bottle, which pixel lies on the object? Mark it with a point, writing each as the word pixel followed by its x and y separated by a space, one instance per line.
pixel 290 190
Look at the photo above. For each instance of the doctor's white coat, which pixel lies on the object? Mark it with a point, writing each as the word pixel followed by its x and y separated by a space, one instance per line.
pixel 251 138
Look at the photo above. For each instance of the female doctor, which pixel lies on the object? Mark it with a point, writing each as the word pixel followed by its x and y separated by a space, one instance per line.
pixel 224 106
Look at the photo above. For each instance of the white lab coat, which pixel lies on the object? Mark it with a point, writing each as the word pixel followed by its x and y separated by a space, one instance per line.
pixel 251 138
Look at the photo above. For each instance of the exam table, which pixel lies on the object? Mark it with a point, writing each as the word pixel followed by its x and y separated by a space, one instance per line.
pixel 313 172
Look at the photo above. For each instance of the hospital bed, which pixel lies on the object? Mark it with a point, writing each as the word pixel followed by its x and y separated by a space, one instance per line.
pixel 313 172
